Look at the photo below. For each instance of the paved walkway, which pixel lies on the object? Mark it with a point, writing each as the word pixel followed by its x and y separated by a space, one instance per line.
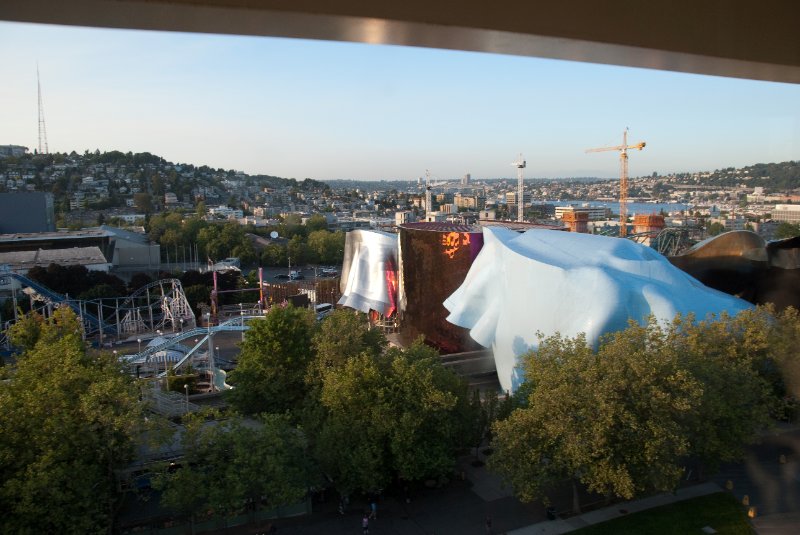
pixel 770 478
pixel 556 527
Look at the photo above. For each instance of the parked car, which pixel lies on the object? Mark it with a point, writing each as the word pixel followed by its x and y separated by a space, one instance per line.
pixel 322 310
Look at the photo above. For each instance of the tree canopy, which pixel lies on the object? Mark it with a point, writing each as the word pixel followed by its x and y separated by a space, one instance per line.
pixel 270 375
pixel 228 464
pixel 396 415
pixel 68 419
pixel 623 419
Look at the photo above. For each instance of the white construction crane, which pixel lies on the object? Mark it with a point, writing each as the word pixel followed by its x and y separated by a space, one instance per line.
pixel 427 193
pixel 623 178
pixel 520 165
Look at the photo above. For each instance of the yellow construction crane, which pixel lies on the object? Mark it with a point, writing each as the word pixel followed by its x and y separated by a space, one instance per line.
pixel 623 178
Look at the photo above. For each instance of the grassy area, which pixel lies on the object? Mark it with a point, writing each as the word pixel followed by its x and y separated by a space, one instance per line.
pixel 721 511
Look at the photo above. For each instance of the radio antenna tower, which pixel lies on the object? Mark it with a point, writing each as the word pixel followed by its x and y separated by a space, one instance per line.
pixel 42 128
pixel 520 165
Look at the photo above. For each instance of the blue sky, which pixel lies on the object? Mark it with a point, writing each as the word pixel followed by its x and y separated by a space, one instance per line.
pixel 323 110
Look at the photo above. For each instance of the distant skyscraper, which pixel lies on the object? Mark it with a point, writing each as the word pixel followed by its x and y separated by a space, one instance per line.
pixel 465 180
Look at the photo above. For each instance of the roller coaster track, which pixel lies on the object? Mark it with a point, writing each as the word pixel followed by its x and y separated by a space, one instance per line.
pixel 49 296
pixel 237 324
pixel 168 308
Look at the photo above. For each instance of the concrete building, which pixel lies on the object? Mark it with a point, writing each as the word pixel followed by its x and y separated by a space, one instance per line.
pixel 594 213
pixel 22 261
pixel 469 202
pixel 511 198
pixel 789 213
pixel 26 212
pixel 14 151
pixel 576 221
pixel 226 212
pixel 401 218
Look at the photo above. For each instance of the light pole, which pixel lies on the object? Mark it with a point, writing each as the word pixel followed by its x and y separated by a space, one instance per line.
pixel 140 344
pixel 186 389
pixel 242 314
pixel 210 350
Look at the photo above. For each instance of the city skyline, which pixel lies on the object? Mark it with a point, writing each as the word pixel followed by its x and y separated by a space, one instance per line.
pixel 328 110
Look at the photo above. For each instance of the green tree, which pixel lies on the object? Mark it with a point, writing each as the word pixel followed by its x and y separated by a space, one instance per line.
pixel 316 222
pixel 622 419
pixel 274 255
pixel 610 420
pixel 397 415
pixel 69 419
pixel 786 230
pixel 143 202
pixel 340 337
pixel 299 252
pixel 715 228
pixel 730 357
pixel 26 331
pixel 234 465
pixel 270 375
pixel 327 246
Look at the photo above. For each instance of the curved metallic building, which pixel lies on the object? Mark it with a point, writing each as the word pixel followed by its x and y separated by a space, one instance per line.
pixel 742 263
pixel 435 258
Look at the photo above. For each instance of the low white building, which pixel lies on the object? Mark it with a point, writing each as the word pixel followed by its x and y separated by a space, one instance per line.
pixel 789 213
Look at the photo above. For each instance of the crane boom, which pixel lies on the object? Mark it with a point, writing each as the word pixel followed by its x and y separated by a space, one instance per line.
pixel 520 164
pixel 623 177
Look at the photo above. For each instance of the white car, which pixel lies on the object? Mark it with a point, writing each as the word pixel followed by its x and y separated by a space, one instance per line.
pixel 322 310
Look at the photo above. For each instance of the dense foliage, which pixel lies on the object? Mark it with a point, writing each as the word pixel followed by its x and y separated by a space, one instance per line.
pixel 234 465
pixel 625 418
pixel 312 243
pixel 370 414
pixel 401 415
pixel 69 419
pixel 276 352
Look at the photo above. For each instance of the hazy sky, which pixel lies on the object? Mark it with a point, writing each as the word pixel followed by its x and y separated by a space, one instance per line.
pixel 323 110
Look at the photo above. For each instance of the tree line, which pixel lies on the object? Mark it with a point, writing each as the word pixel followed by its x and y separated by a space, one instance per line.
pixel 309 243
pixel 630 416
pixel 329 403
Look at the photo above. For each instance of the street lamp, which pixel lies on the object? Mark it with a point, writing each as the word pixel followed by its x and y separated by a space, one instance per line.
pixel 140 344
pixel 181 324
pixel 186 389
pixel 210 350
pixel 242 314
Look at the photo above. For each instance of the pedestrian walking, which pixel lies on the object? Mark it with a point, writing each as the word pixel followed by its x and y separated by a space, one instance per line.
pixel 365 524
pixel 373 506
pixel 488 525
